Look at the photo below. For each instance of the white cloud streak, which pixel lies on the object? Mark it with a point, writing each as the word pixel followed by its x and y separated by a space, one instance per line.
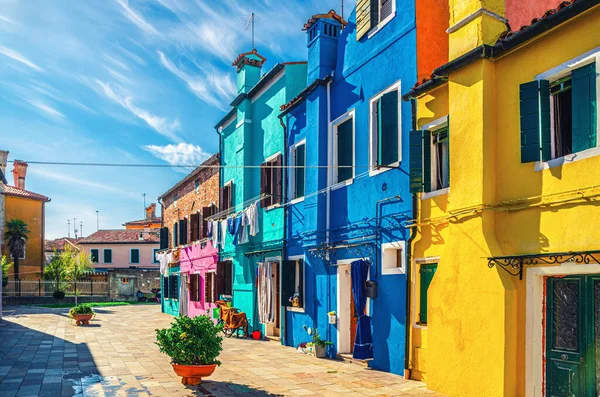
pixel 137 19
pixel 19 58
pixel 50 111
pixel 182 153
pixel 162 125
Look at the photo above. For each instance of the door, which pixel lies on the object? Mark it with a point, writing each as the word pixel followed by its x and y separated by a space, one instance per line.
pixel 276 298
pixel 572 330
pixel 125 286
pixel 353 320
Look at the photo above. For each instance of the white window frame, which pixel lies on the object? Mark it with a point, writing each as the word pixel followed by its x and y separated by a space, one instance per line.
pixel 268 160
pixel 559 72
pixel 435 125
pixel 389 249
pixel 333 160
pixel 97 256
pixel 303 308
pixel 104 255
pixel 139 256
pixel 383 22
pixel 373 144
pixel 292 187
pixel 154 260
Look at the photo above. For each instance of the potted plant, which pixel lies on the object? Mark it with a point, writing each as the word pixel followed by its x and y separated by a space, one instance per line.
pixel 332 318
pixel 318 346
pixel 193 345
pixel 82 314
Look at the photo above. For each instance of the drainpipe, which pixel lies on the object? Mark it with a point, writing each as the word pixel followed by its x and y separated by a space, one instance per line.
pixel 327 221
pixel 284 200
pixel 413 233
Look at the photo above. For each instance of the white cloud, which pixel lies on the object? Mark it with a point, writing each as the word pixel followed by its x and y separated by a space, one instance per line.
pixel 19 58
pixel 215 88
pixel 162 125
pixel 137 19
pixel 7 20
pixel 50 111
pixel 185 154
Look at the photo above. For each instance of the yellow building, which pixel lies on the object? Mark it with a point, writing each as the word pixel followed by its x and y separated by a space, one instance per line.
pixel 29 207
pixel 506 245
pixel 151 221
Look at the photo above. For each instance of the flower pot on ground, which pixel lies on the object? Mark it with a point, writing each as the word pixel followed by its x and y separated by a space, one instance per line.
pixel 82 314
pixel 193 345
pixel 318 346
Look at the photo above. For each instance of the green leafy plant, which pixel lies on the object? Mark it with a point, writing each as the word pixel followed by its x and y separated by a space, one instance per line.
pixel 56 272
pixel 191 341
pixel 58 295
pixel 6 265
pixel 318 341
pixel 83 308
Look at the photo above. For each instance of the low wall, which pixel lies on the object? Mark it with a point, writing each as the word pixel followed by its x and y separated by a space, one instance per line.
pixel 48 300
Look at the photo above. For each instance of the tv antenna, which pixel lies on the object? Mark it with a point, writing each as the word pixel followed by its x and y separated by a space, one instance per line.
pixel 251 21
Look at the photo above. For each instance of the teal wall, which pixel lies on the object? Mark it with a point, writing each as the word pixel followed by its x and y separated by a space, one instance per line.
pixel 170 306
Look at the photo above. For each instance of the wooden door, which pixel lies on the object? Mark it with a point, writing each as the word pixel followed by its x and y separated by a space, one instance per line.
pixel 572 328
pixel 276 298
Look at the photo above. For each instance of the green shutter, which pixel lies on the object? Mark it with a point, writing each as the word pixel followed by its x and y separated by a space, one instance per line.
pixel 288 282
pixel 426 161
pixel 299 172
pixel 175 235
pixel 387 123
pixel 426 274
pixel 416 161
pixel 135 256
pixel 584 107
pixel 107 256
pixel 535 121
pixel 345 150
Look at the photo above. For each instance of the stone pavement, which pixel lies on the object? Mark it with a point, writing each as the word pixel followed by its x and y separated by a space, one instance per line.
pixel 43 354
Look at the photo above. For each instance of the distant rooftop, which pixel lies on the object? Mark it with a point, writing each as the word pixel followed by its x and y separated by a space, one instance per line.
pixel 121 236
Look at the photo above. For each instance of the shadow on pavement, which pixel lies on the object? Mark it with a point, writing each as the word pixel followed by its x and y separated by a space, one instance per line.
pixel 216 388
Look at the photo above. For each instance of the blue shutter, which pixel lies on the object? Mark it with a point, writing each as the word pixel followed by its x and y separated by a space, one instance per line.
pixel 535 121
pixel 584 107
pixel 345 150
pixel 387 124
pixel 299 173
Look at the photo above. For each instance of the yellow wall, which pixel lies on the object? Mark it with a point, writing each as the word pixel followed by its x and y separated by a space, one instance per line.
pixel 474 343
pixel 30 212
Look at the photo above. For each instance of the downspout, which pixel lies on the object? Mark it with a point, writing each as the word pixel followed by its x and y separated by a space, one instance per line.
pixel 408 273
pixel 284 199
pixel 329 308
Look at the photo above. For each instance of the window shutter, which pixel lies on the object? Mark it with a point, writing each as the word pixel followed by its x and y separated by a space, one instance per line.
pixel 584 107
pixel 165 284
pixel 535 121
pixel 193 292
pixel 220 284
pixel 277 180
pixel 193 227
pixel 228 287
pixel 301 282
pixel 416 161
pixel 265 186
pixel 345 150
pixel 175 235
pixel 181 231
pixel 426 272
pixel 299 173
pixel 288 282
pixel 164 238
pixel 388 128
pixel 366 16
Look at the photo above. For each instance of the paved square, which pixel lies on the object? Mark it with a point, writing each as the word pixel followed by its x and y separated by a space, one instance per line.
pixel 43 354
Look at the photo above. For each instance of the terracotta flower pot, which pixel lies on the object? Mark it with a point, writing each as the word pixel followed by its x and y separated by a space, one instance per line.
pixel 82 318
pixel 192 374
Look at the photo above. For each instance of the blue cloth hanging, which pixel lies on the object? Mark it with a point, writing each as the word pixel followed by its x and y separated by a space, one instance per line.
pixel 363 343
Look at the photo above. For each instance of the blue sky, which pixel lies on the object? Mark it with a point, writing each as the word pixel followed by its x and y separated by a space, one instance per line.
pixel 117 81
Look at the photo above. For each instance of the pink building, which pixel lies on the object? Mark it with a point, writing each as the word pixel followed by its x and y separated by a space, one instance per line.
pixel 198 262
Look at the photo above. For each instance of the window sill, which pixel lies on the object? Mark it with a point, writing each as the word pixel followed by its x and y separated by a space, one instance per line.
pixel 420 325
pixel 297 200
pixel 339 185
pixel 570 158
pixel 376 171
pixel 272 207
pixel 435 193
pixel 295 309
pixel 386 272
pixel 381 24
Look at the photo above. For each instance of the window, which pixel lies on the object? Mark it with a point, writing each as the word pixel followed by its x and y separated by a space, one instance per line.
pixel 124 280
pixel 226 196
pixel 164 238
pixel 207 212
pixel 271 181
pixel 430 157
pixel 195 226
pixel 292 283
pixel 224 281
pixel 195 287
pixel 174 287
pixel 183 231
pixel 94 255
pixel 197 186
pixel 175 198
pixel 154 251
pixel 558 112
pixel 134 255
pixel 175 235
pixel 107 255
pixel 373 14
pixel 165 284
pixel 426 273
pixel 386 9
pixel 343 142
pixel 298 175
pixel 385 133
pixel 392 258
pixel 209 287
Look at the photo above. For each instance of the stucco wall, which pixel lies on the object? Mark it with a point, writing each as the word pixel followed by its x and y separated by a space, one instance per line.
pixel 121 255
pixel 168 305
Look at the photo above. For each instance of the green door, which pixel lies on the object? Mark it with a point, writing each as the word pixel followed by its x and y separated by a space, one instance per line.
pixel 572 336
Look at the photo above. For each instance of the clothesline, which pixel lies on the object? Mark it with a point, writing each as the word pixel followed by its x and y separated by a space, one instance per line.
pixel 229 212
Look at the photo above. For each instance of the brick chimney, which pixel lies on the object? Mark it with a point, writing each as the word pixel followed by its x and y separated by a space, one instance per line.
pixel 19 172
pixel 151 211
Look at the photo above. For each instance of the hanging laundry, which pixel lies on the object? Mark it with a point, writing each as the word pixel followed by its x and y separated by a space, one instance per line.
pixel 209 229
pixel 223 231
pixel 265 293
pixel 231 225
pixel 253 219
pixel 183 295
pixel 214 226
pixel 237 228
pixel 162 258
pixel 243 232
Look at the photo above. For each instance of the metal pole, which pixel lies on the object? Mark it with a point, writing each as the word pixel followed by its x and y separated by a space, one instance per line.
pixel 39 287
pixel 97 223
pixel 144 194
pixel 91 287
pixel 81 228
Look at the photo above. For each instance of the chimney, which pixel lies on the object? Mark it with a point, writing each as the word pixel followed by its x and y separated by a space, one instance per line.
pixel 323 32
pixel 3 160
pixel 248 65
pixel 19 172
pixel 151 211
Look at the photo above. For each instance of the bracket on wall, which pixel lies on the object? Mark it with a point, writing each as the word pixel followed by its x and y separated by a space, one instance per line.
pixel 514 264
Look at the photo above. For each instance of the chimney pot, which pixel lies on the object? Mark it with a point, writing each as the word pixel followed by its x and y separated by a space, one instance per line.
pixel 19 173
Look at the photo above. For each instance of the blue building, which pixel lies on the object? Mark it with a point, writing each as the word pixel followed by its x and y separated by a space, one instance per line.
pixel 348 198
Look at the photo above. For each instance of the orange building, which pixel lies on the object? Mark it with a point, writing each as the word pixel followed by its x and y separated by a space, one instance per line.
pixel 150 222
pixel 18 203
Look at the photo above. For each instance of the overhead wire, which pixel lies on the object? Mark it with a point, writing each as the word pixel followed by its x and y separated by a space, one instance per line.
pixel 82 164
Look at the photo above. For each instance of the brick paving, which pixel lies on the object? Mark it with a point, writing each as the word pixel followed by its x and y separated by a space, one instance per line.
pixel 43 354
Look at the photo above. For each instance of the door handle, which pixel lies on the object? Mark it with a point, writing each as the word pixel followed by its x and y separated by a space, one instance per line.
pixel 581 359
pixel 564 357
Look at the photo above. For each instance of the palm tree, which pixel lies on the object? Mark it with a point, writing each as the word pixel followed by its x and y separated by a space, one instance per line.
pixel 16 237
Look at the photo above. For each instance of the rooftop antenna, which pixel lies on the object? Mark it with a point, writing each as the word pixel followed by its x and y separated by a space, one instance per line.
pixel 144 194
pixel 75 228
pixel 97 223
pixel 81 227
pixel 68 228
pixel 342 9
pixel 251 21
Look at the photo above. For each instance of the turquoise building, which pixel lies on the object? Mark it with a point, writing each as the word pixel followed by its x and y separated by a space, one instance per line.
pixel 251 135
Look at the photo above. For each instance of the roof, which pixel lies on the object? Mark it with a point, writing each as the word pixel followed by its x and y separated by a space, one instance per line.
pixel 147 221
pixel 120 236
pixel 213 160
pixel 287 107
pixel 331 14
pixel 259 62
pixel 507 41
pixel 59 244
pixel 15 191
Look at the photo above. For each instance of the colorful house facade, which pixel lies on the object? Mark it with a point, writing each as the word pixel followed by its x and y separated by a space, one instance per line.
pixel 347 209
pixel 188 260
pixel 504 161
pixel 251 135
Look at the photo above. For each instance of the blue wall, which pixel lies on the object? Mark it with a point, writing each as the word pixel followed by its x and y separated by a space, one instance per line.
pixel 362 70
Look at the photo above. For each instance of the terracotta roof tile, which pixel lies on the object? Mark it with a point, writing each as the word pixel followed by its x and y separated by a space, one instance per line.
pixel 15 191
pixel 121 236
pixel 331 14
pixel 156 219
pixel 59 244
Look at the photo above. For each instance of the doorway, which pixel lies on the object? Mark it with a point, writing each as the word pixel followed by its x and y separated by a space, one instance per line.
pixel 572 329
pixel 274 329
